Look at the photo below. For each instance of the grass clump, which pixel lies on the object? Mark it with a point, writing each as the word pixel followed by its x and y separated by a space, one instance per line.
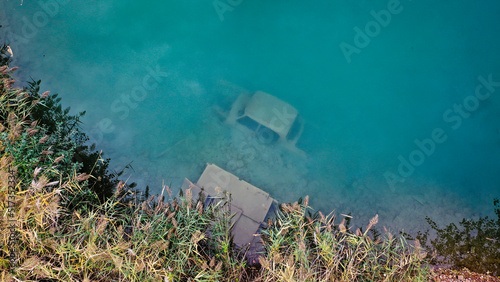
pixel 116 241
pixel 315 248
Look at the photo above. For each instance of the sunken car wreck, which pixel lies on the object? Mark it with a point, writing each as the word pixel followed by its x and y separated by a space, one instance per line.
pixel 270 119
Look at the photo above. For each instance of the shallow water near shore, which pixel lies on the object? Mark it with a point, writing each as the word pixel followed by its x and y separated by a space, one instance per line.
pixel 394 122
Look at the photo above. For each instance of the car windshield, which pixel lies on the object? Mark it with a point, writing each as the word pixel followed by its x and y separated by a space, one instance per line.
pixel 294 130
pixel 248 122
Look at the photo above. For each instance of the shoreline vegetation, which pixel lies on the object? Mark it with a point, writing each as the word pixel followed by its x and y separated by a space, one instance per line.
pixel 67 217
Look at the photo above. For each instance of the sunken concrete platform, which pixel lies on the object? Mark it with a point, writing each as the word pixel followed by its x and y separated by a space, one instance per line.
pixel 249 204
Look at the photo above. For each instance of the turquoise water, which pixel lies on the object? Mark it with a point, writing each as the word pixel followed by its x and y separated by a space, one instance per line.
pixel 372 80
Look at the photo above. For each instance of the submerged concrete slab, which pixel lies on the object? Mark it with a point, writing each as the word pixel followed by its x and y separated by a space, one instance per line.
pixel 251 200
pixel 249 204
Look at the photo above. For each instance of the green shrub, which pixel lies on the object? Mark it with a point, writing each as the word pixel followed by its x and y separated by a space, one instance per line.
pixel 66 130
pixel 5 58
pixel 50 134
pixel 474 244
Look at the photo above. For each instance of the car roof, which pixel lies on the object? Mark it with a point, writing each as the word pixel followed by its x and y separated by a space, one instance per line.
pixel 271 112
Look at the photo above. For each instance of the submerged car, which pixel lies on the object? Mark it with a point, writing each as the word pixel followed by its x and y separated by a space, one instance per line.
pixel 272 120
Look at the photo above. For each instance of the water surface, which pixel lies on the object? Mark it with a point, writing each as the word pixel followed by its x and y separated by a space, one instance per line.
pixel 150 73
